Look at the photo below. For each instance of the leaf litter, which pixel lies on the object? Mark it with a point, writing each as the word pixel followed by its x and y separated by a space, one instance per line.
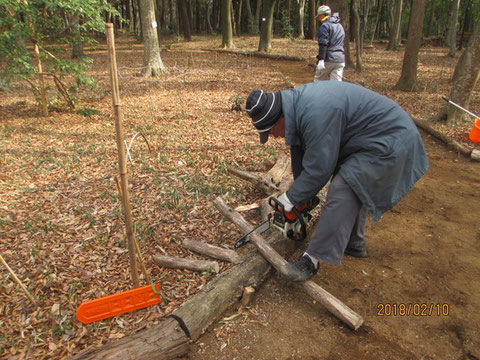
pixel 61 227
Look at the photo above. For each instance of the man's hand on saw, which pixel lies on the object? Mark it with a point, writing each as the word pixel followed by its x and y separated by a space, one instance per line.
pixel 284 200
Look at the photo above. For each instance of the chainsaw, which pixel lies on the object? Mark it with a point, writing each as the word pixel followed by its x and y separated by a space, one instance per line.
pixel 291 224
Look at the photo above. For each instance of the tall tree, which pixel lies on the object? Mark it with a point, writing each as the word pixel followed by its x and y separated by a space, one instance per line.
pixel 226 21
pixel 265 43
pixel 358 42
pixel 250 19
pixel 152 62
pixel 395 29
pixel 451 38
pixel 183 17
pixel 408 78
pixel 301 17
pixel 466 75
pixel 312 24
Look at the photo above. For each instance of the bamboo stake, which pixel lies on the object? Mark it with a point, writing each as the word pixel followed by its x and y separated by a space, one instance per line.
pixel 121 154
pixel 17 280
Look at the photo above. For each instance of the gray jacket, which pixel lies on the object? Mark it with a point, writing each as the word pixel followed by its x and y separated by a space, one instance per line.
pixel 365 137
pixel 331 38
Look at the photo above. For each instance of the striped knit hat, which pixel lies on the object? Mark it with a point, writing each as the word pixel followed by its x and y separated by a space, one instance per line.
pixel 265 109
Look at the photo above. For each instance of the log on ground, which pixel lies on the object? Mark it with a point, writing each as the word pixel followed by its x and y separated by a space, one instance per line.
pixel 189 264
pixel 161 342
pixel 215 252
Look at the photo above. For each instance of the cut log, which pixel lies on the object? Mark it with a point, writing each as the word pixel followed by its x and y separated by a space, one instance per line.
pixel 161 342
pixel 334 305
pixel 189 264
pixel 440 136
pixel 212 251
pixel 475 155
pixel 167 340
pixel 277 179
pixel 247 295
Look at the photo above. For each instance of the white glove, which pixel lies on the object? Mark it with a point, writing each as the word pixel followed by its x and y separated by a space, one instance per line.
pixel 320 65
pixel 288 206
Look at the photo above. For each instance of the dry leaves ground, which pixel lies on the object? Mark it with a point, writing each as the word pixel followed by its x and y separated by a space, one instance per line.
pixel 61 228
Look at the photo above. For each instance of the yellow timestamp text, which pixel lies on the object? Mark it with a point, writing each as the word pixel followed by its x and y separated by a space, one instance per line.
pixel 413 309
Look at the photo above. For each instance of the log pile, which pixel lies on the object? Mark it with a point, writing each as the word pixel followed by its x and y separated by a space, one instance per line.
pixel 172 337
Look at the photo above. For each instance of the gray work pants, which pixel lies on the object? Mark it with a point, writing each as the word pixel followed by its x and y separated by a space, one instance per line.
pixel 341 224
pixel 332 71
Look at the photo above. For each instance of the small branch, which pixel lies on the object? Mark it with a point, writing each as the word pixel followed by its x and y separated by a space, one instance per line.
pixel 247 207
pixel 189 264
pixel 212 251
pixel 17 280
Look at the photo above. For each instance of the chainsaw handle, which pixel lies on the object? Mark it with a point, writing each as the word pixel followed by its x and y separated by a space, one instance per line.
pixel 290 216
pixel 303 226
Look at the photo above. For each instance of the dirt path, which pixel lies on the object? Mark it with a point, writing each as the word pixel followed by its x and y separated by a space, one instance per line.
pixel 425 251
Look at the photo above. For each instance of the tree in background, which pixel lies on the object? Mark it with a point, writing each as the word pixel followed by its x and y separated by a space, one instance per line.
pixel 152 62
pixel 226 21
pixel 44 23
pixel 395 31
pixel 301 17
pixel 265 43
pixel 465 79
pixel 451 37
pixel 408 78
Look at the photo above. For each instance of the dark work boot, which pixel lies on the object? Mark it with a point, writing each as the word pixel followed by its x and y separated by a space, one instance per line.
pixel 301 270
pixel 360 252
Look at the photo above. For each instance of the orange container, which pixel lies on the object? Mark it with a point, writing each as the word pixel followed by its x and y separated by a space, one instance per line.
pixel 120 303
pixel 475 132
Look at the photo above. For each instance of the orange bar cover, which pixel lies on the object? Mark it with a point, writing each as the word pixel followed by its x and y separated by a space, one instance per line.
pixel 121 303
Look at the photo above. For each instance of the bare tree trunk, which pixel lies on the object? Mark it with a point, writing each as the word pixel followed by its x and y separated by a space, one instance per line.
pixel 395 30
pixel 232 15
pixel 139 21
pixel 258 10
pixel 366 10
pixel 77 43
pixel 226 20
pixel 250 20
pixel 358 49
pixel 408 78
pixel 312 24
pixel 452 28
pixel 265 44
pixel 431 18
pixel 209 15
pixel 239 17
pixel 152 62
pixel 301 17
pixel 467 75
pixel 375 25
pixel 183 15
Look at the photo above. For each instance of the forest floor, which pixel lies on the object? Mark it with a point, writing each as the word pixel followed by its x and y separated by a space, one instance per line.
pixel 61 228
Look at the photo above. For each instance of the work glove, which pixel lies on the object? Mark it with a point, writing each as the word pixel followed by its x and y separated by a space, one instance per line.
pixel 320 65
pixel 287 205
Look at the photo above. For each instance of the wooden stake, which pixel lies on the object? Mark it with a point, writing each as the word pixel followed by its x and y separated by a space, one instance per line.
pixel 247 295
pixel 121 154
pixel 331 303
pixel 17 280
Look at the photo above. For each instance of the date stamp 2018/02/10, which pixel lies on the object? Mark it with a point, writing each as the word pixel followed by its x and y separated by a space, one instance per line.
pixel 413 309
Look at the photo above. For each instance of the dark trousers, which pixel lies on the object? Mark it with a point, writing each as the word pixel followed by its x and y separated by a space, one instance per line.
pixel 341 224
